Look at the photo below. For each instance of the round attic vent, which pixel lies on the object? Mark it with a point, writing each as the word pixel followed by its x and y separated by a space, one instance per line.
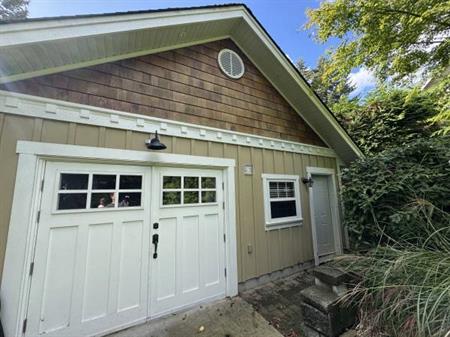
pixel 231 63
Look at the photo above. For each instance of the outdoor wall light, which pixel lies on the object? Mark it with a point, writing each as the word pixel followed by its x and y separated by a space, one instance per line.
pixel 154 143
pixel 307 181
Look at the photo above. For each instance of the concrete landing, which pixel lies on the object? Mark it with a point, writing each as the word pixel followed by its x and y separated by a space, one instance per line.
pixel 226 318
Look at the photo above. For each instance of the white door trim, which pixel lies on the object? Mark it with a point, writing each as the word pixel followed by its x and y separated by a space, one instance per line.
pixel 16 280
pixel 331 173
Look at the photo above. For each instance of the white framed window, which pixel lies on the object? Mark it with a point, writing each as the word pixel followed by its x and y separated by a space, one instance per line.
pixel 281 201
pixel 182 190
pixel 92 191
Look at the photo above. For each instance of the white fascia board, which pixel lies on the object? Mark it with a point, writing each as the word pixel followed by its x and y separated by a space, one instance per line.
pixel 46 31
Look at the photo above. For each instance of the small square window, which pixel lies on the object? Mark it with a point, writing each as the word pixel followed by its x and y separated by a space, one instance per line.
pixel 191 197
pixel 171 198
pixel 102 200
pixel 190 182
pixel 281 201
pixel 170 182
pixel 73 181
pixel 208 182
pixel 72 201
pixel 208 196
pixel 130 182
pixel 132 199
pixel 103 182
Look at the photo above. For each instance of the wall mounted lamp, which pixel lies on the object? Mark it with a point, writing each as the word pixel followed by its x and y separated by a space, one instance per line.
pixel 308 181
pixel 154 143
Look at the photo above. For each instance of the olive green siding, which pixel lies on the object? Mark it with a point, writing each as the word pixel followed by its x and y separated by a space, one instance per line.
pixel 259 251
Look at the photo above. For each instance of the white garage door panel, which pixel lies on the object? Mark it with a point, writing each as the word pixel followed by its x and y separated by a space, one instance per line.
pixel 212 239
pixel 98 271
pixel 131 267
pixel 91 265
pixel 190 263
pixel 57 292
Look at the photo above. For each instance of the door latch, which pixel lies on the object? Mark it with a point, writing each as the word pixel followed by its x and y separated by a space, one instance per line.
pixel 155 240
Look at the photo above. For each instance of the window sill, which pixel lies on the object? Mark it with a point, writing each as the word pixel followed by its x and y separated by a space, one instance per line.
pixel 284 224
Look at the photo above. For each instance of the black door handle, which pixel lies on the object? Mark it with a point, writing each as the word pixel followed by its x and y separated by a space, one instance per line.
pixel 155 240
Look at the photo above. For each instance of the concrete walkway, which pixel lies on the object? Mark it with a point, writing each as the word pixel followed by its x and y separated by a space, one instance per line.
pixel 226 318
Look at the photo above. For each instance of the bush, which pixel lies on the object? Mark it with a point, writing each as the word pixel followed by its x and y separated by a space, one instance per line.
pixel 391 195
pixel 404 290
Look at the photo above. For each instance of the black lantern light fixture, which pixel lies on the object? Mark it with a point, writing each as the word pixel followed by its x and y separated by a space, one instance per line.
pixel 308 181
pixel 154 143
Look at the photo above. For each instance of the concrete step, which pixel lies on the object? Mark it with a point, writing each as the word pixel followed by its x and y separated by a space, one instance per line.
pixel 319 297
pixel 323 314
pixel 339 290
pixel 331 276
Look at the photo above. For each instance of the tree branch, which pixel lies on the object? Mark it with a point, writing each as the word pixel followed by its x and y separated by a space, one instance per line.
pixel 399 11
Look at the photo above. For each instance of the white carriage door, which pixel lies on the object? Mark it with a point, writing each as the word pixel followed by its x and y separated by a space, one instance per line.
pixel 189 266
pixel 323 215
pixel 91 259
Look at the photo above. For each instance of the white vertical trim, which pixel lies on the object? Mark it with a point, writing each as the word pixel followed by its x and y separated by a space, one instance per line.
pixel 22 228
pixel 231 238
pixel 20 244
pixel 331 174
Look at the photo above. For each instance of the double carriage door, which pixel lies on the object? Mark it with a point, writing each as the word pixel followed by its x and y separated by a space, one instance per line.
pixel 98 265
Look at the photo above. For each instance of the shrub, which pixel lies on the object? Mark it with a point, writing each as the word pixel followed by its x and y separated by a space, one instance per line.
pixel 391 195
pixel 404 290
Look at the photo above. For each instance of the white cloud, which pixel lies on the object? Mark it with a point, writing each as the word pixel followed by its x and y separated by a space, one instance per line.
pixel 363 80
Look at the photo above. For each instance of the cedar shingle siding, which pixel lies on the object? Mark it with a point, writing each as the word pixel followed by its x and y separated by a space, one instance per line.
pixel 184 85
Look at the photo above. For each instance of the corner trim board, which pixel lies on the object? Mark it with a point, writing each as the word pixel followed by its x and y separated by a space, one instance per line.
pixel 46 108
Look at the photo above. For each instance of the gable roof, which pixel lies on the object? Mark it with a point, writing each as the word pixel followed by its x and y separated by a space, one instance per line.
pixel 35 47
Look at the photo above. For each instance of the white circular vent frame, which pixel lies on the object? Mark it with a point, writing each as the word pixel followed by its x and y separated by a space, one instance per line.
pixel 231 63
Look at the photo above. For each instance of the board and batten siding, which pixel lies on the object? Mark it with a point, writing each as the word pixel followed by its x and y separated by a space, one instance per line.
pixel 185 85
pixel 259 251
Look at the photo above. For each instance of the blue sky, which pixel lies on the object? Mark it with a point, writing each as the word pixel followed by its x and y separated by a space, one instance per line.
pixel 283 19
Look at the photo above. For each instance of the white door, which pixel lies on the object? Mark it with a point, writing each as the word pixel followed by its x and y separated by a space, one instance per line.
pixel 91 255
pixel 323 216
pixel 189 265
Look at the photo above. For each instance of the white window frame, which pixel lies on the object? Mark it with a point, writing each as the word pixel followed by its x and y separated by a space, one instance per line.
pixel 278 223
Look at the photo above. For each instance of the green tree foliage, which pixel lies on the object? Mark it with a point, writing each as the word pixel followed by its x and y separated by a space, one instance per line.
pixel 384 194
pixel 329 88
pixel 13 9
pixel 388 117
pixel 394 38
pixel 441 96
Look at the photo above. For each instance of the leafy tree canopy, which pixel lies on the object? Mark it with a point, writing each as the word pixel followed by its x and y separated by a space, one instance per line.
pixel 388 117
pixel 329 88
pixel 13 9
pixel 396 38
